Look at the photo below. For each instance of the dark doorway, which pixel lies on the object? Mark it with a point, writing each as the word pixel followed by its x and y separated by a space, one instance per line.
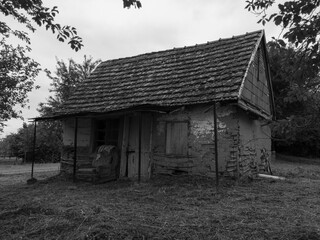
pixel 107 132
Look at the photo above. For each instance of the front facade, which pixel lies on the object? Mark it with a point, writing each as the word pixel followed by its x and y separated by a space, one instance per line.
pixel 158 110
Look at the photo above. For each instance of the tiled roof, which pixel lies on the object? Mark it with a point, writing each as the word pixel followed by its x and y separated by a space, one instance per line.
pixel 202 73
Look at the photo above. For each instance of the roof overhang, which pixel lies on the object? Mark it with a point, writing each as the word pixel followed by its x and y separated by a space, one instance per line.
pixel 251 108
pixel 143 108
pixel 130 110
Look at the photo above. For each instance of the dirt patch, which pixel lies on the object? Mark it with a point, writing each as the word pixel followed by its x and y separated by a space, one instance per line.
pixel 181 207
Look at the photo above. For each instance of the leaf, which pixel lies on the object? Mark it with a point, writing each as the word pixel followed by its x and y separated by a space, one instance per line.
pixel 272 16
pixel 278 19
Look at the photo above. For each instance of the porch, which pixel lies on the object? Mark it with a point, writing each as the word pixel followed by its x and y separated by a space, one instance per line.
pixel 147 141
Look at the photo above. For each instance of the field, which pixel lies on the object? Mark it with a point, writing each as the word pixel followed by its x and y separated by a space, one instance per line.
pixel 167 207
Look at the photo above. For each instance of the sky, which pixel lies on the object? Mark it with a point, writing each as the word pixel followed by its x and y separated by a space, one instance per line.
pixel 109 31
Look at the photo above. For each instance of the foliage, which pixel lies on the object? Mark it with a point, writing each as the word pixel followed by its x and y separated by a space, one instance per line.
pixel 295 63
pixel 300 21
pixel 296 84
pixel 134 3
pixel 30 12
pixel 20 144
pixel 64 81
pixel 17 75
pixel 8 146
pixel 49 133
pixel 17 70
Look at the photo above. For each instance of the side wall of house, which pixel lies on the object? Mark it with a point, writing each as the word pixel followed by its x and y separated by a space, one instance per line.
pixel 199 155
pixel 254 137
pixel 84 142
pixel 256 91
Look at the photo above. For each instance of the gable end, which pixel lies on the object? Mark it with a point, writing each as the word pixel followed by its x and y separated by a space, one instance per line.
pixel 256 90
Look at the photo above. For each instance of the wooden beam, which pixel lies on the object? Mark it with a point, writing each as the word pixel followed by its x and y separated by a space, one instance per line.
pixel 140 132
pixel 249 107
pixel 124 148
pixel 216 143
pixel 34 147
pixel 75 143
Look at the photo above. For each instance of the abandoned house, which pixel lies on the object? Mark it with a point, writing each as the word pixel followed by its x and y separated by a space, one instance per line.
pixel 200 109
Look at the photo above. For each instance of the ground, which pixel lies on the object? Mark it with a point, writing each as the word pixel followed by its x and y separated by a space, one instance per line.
pixel 167 207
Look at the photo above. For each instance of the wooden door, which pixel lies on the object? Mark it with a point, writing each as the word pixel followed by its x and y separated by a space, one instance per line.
pixel 131 168
pixel 133 148
pixel 146 146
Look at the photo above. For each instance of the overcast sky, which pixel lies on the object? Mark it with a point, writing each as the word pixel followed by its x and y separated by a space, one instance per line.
pixel 109 31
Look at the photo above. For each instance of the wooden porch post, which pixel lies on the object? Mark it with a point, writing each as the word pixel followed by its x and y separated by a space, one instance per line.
pixel 75 143
pixel 140 131
pixel 216 142
pixel 34 147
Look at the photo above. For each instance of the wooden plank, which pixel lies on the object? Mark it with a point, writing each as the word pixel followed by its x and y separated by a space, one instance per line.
pixel 172 158
pixel 183 138
pixel 175 165
pixel 124 145
pixel 176 138
pixel 146 145
pixel 168 137
pixel 150 148
pixel 133 159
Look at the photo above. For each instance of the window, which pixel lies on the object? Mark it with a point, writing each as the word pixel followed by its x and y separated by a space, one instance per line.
pixel 107 132
pixel 177 138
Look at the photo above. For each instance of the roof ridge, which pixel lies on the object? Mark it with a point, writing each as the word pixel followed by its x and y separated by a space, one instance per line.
pixel 184 47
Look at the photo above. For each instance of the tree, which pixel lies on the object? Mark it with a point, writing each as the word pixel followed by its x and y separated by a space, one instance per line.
pixel 17 76
pixel 295 65
pixel 67 76
pixel 300 22
pixel 20 144
pixel 12 146
pixel 17 70
pixel 296 85
pixel 64 81
pixel 30 12
pixel 134 3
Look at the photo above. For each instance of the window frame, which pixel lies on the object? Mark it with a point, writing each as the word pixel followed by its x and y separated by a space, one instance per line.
pixel 166 138
pixel 96 143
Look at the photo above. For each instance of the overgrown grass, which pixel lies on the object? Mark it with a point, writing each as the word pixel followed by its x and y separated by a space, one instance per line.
pixel 181 207
pixel 12 160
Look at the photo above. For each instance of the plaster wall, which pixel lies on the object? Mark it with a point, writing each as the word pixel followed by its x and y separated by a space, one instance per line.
pixel 200 140
pixel 255 135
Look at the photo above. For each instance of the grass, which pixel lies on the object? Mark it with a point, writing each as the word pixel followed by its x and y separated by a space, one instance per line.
pixel 10 161
pixel 180 207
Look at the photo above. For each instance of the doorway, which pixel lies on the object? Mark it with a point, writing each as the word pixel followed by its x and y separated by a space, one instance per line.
pixel 131 162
